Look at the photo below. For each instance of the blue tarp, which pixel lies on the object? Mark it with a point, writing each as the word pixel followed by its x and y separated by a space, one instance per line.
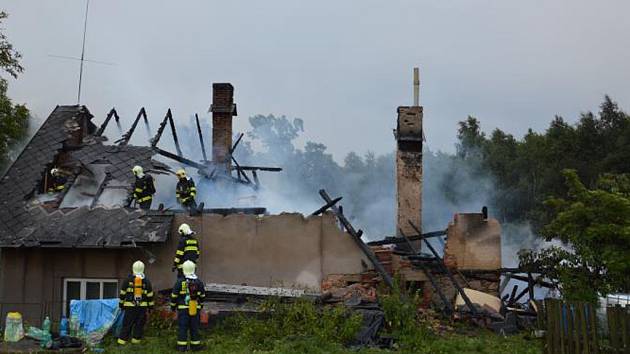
pixel 96 317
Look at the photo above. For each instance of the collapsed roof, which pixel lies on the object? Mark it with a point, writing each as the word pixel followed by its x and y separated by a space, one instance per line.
pixel 76 217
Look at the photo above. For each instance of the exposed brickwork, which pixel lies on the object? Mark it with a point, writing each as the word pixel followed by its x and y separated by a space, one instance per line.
pixel 409 169
pixel 223 108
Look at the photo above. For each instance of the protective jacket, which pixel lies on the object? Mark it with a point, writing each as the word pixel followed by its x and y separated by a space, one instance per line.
pixel 136 292
pixel 143 189
pixel 187 250
pixel 57 183
pixel 185 291
pixel 186 190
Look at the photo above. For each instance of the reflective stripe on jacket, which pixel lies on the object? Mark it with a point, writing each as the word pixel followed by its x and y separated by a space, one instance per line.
pixel 187 250
pixel 143 189
pixel 185 190
pixel 185 290
pixel 126 295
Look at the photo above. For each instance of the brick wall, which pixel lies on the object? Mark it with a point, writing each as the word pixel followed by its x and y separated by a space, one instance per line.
pixel 223 109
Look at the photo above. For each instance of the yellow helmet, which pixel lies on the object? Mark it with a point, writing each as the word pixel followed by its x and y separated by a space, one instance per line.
pixel 137 171
pixel 184 229
pixel 138 268
pixel 181 173
pixel 188 268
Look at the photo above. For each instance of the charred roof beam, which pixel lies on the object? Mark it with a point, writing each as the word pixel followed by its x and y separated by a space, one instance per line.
pixel 112 113
pixel 127 136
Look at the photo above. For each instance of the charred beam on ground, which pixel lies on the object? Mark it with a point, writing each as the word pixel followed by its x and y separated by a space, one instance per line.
pixel 357 239
pixel 427 272
pixel 127 136
pixel 111 114
pixel 203 146
pixel 469 303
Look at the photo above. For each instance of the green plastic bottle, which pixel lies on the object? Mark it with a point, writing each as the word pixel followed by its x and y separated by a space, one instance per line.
pixel 46 325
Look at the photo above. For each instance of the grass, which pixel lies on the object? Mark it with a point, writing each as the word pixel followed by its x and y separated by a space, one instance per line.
pixel 222 341
pixel 302 327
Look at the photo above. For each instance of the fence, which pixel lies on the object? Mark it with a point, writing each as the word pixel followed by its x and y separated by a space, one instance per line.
pixel 572 327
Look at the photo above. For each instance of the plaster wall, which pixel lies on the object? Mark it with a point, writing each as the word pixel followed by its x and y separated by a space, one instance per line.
pixel 473 243
pixel 287 250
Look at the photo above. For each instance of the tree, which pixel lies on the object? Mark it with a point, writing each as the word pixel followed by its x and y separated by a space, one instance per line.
pixel 13 117
pixel 595 225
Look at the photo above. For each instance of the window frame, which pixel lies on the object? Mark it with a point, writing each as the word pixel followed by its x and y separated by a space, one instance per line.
pixel 83 288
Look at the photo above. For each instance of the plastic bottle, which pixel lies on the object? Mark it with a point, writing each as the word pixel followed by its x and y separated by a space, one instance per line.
pixel 63 327
pixel 46 325
pixel 74 325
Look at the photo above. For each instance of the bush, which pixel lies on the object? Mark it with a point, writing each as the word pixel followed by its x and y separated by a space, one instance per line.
pixel 301 319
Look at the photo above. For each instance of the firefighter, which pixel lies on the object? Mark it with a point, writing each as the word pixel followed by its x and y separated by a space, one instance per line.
pixel 186 298
pixel 143 189
pixel 136 297
pixel 187 249
pixel 57 181
pixel 186 191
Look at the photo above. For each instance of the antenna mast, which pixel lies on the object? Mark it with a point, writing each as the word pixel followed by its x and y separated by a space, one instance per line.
pixel 87 5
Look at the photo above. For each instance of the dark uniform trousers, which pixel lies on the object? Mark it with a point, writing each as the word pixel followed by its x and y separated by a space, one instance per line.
pixel 133 322
pixel 188 324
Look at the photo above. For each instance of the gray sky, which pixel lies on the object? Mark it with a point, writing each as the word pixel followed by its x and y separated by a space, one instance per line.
pixel 342 66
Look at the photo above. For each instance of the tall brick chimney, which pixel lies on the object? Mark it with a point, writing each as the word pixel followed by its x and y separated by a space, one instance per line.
pixel 409 138
pixel 223 109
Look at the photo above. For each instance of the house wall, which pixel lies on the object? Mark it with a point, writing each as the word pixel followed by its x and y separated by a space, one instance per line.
pixel 473 243
pixel 286 250
pixel 32 281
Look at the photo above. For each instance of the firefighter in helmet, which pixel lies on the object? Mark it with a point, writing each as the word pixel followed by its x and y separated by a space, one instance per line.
pixel 57 181
pixel 186 191
pixel 143 188
pixel 186 298
pixel 136 297
pixel 187 249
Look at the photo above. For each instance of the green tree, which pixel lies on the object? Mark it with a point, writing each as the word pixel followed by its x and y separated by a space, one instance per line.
pixel 595 225
pixel 13 117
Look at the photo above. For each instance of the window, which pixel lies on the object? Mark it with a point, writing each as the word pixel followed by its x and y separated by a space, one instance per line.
pixel 87 289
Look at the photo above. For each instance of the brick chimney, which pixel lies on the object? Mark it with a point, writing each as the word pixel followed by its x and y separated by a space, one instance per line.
pixel 223 109
pixel 409 138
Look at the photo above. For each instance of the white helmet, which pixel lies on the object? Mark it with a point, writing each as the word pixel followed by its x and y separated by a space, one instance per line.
pixel 54 171
pixel 188 268
pixel 138 268
pixel 185 230
pixel 181 173
pixel 138 171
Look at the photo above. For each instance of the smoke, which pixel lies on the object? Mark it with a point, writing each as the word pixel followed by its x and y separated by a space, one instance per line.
pixel 451 184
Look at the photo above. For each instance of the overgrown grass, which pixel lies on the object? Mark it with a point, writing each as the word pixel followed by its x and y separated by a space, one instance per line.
pixel 303 327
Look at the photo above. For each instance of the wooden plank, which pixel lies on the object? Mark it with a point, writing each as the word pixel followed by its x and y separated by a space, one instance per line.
pixel 584 328
pixel 572 326
pixel 549 335
pixel 610 320
pixel 592 316
pixel 623 318
pixel 561 327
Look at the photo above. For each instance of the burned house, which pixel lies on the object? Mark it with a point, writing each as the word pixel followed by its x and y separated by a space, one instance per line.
pixel 79 243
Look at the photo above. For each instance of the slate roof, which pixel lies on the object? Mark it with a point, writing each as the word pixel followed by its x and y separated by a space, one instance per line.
pixel 24 222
